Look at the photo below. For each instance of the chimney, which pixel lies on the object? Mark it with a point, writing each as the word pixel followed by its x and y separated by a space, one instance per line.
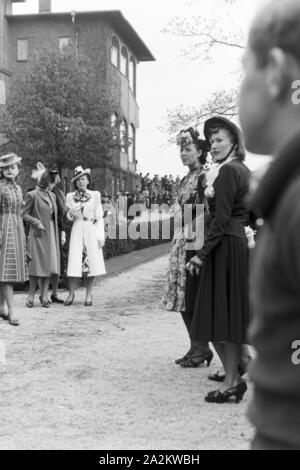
pixel 44 6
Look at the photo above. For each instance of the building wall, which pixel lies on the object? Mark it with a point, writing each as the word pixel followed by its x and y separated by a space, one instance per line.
pixel 5 7
pixel 93 38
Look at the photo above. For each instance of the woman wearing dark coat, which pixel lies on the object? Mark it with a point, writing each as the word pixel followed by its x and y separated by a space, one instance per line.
pixel 40 212
pixel 222 309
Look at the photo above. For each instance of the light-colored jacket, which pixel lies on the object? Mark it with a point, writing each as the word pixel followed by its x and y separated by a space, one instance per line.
pixel 87 230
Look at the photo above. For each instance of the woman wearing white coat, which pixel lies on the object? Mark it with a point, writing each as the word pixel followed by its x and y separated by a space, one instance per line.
pixel 87 235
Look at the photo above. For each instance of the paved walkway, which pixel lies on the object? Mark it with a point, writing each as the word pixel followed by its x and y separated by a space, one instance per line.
pixel 104 377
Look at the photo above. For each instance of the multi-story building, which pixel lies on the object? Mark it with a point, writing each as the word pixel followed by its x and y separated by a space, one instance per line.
pixel 108 39
pixel 5 72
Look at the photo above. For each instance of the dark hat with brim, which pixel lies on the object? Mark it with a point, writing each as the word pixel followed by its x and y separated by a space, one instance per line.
pixel 224 123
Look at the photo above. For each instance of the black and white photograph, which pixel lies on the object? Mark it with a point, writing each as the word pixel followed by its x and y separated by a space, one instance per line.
pixel 149 227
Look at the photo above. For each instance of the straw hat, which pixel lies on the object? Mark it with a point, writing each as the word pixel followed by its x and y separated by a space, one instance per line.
pixel 9 159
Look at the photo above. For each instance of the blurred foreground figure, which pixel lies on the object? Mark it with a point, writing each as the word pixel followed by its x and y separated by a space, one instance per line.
pixel 270 118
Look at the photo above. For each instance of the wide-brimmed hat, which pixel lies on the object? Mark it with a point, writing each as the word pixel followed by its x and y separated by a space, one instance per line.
pixel 224 123
pixel 9 159
pixel 78 172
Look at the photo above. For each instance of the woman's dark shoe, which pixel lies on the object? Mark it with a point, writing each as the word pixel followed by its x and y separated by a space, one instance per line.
pixel 69 302
pixel 56 300
pixel 88 303
pixel 242 368
pixel 183 358
pixel 217 377
pixel 29 303
pixel 198 359
pixel 238 391
pixel 13 321
pixel 44 302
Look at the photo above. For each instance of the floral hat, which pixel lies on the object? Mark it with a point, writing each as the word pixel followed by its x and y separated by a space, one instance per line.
pixel 191 136
pixel 79 171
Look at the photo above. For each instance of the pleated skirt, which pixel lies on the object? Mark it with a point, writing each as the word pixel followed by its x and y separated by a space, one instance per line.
pixel 221 312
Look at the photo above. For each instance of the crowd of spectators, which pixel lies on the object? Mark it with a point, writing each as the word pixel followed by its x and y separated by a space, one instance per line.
pixel 156 190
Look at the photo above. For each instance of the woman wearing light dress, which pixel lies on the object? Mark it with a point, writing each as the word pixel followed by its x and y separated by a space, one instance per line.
pixel 85 260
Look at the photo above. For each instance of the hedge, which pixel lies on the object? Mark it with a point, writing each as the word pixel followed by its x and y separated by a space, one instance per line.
pixel 116 246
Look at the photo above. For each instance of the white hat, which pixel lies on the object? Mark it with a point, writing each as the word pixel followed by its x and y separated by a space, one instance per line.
pixel 9 159
pixel 79 171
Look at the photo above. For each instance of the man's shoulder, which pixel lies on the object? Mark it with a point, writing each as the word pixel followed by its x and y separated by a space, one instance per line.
pixel 291 195
pixel 288 208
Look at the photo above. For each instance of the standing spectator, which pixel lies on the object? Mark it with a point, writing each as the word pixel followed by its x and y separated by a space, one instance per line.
pixel 87 236
pixel 270 118
pixel 221 309
pixel 61 211
pixel 181 287
pixel 13 266
pixel 40 212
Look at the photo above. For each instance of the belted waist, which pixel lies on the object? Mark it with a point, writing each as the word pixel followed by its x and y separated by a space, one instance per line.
pixel 236 226
pixel 87 219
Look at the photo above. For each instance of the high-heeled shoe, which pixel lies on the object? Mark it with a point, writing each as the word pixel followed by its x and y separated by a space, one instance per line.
pixel 242 368
pixel 197 359
pixel 13 321
pixel 44 302
pixel 183 358
pixel 89 303
pixel 29 303
pixel 217 377
pixel 237 391
pixel 69 302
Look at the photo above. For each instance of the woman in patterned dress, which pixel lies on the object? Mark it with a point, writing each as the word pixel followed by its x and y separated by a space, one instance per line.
pixel 84 209
pixel 13 267
pixel 181 288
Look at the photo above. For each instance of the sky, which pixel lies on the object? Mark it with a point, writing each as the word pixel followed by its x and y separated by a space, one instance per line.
pixel 171 80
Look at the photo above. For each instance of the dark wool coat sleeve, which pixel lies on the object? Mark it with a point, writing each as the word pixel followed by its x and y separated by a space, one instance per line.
pixel 226 186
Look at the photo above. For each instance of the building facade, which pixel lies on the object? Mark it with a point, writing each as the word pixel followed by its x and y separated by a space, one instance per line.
pixel 107 39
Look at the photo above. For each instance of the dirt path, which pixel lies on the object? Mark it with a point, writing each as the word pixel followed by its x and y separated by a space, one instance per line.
pixel 104 377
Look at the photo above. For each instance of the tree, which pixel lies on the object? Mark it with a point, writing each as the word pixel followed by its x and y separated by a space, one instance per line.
pixel 204 34
pixel 59 112
pixel 222 102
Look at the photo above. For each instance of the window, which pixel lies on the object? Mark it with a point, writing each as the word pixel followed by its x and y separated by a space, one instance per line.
pixel 123 135
pixel 113 119
pixel 2 92
pixel 115 52
pixel 22 50
pixel 132 75
pixel 131 143
pixel 124 62
pixel 63 42
pixel 114 123
pixel 113 186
